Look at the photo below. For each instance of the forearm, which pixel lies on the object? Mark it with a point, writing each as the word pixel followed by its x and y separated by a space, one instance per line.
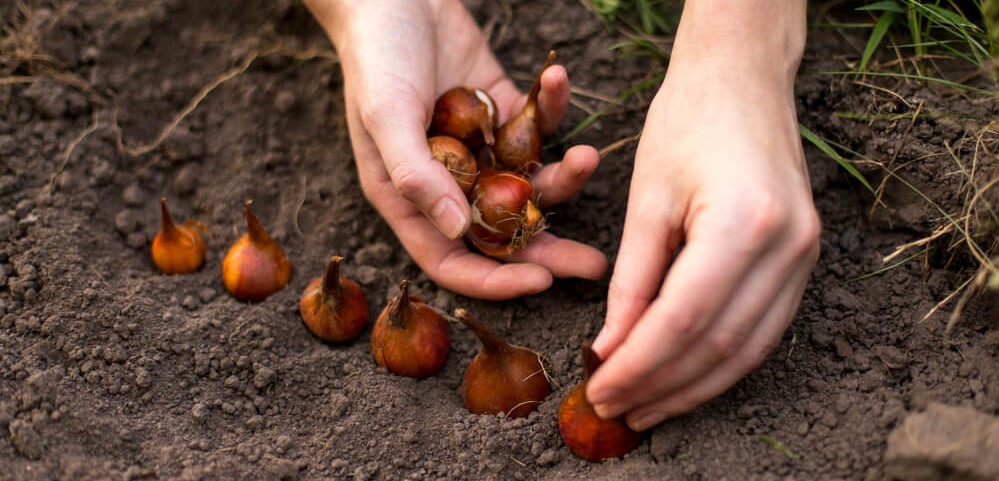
pixel 745 38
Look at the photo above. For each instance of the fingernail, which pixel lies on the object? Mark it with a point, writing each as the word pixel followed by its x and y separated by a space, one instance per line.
pixel 602 396
pixel 609 410
pixel 449 218
pixel 598 342
pixel 646 421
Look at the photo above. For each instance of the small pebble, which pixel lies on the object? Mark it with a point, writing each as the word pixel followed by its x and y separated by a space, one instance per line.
pixel 199 411
pixel 377 254
pixel 284 101
pixel 8 184
pixel 263 377
pixel 207 294
pixel 366 275
pixel 186 180
pixel 136 240
pixel 133 196
pixel 23 208
pixel 101 173
pixel 126 221
pixel 548 458
pixel 190 302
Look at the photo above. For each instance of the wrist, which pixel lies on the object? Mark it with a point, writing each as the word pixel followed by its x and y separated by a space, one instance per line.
pixel 745 41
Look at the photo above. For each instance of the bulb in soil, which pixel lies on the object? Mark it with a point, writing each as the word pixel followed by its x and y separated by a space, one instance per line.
pixel 586 434
pixel 410 338
pixel 333 307
pixel 502 378
pixel 177 249
pixel 255 266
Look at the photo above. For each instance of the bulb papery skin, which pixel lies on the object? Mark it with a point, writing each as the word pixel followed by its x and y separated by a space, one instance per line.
pixel 333 307
pixel 255 266
pixel 502 378
pixel 466 113
pixel 409 337
pixel 457 159
pixel 504 214
pixel 518 145
pixel 177 249
pixel 586 434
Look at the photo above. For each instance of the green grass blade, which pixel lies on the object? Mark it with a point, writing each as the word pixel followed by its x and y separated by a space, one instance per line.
pixel 922 78
pixel 880 29
pixel 780 447
pixel 884 6
pixel 583 124
pixel 827 149
pixel 886 268
pixel 843 25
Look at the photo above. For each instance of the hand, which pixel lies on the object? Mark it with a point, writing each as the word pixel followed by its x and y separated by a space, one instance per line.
pixel 719 171
pixel 397 57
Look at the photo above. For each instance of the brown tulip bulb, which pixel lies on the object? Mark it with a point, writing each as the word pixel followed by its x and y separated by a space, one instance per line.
pixel 333 307
pixel 456 158
pixel 255 266
pixel 585 433
pixel 467 114
pixel 518 141
pixel 505 216
pixel 502 378
pixel 177 249
pixel 410 338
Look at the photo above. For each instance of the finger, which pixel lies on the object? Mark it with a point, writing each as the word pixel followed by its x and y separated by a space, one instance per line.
pixel 563 257
pixel 553 101
pixel 448 262
pixel 402 143
pixel 558 181
pixel 701 280
pixel 651 233
pixel 760 343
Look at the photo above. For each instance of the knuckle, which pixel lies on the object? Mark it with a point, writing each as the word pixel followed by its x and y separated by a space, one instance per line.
pixel 764 216
pixel 805 240
pixel 623 294
pixel 723 345
pixel 406 181
pixel 683 323
pixel 373 111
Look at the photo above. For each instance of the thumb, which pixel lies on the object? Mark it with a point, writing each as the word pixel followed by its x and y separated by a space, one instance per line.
pixel 416 175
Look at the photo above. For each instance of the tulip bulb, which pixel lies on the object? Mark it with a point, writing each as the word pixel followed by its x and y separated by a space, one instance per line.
pixel 456 158
pixel 505 216
pixel 518 141
pixel 255 266
pixel 502 378
pixel 410 338
pixel 177 249
pixel 585 433
pixel 467 114
pixel 333 307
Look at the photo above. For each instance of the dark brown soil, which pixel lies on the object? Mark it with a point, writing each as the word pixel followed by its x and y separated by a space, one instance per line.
pixel 109 370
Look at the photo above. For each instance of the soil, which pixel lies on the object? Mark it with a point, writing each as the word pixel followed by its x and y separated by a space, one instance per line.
pixel 109 370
